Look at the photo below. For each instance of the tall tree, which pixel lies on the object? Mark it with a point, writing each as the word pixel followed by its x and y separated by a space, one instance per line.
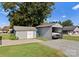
pixel 67 23
pixel 60 22
pixel 28 13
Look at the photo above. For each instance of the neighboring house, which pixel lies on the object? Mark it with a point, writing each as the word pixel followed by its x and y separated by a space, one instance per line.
pixel 71 30
pixel 23 32
pixel 5 29
pixel 48 30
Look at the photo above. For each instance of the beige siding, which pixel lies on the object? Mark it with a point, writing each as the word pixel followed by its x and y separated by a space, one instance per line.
pixel 25 34
pixel 21 34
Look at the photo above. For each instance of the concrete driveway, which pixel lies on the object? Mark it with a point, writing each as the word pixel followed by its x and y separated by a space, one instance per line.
pixel 17 42
pixel 70 48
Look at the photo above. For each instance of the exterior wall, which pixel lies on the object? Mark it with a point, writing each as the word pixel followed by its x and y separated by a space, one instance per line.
pixel 70 32
pixel 76 33
pixel 34 34
pixel 31 34
pixel 24 34
pixel 45 32
pixel 21 34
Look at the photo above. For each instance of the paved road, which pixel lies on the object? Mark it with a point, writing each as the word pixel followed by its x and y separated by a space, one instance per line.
pixel 70 48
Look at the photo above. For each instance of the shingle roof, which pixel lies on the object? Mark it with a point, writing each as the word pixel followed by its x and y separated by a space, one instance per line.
pixel 70 28
pixel 50 24
pixel 24 28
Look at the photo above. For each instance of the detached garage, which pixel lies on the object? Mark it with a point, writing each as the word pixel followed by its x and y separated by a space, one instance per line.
pixel 25 32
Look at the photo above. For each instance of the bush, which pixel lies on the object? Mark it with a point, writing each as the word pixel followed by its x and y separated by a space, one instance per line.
pixel 8 37
pixel 12 37
pixel 0 37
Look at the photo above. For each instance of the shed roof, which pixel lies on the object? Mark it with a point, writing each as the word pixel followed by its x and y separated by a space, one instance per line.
pixel 50 24
pixel 24 28
pixel 70 28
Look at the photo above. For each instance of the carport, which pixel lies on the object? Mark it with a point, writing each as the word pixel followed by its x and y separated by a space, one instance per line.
pixel 46 30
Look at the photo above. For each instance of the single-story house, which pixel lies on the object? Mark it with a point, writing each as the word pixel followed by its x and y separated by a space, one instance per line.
pixel 71 30
pixel 23 32
pixel 46 30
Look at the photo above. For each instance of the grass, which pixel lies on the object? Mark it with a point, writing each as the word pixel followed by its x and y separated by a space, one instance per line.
pixel 42 38
pixel 68 37
pixel 29 50
pixel 8 37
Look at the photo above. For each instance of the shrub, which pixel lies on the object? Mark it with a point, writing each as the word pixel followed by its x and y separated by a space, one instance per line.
pixel 8 37
pixel 0 37
pixel 12 37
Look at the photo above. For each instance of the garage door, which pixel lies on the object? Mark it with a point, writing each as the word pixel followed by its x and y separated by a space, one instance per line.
pixel 21 34
pixel 30 34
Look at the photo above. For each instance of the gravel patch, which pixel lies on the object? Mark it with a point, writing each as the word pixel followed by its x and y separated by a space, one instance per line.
pixel 70 48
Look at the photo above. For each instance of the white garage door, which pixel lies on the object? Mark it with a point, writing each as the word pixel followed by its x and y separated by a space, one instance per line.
pixel 21 34
pixel 30 34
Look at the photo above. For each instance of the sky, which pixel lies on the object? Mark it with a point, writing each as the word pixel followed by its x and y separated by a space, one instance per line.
pixel 3 17
pixel 62 11
pixel 65 10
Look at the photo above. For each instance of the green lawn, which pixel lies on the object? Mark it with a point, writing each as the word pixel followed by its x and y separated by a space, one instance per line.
pixel 68 37
pixel 29 50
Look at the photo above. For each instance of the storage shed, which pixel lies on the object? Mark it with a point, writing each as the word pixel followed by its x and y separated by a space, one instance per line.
pixel 45 29
pixel 23 32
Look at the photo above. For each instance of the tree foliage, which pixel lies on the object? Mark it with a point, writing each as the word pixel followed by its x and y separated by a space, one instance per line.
pixel 67 23
pixel 28 13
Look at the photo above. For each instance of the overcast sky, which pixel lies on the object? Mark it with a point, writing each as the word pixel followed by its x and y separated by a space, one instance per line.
pixel 62 11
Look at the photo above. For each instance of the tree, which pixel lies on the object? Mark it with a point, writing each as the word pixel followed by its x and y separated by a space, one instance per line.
pixel 56 22
pixel 53 22
pixel 60 22
pixel 67 23
pixel 28 13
